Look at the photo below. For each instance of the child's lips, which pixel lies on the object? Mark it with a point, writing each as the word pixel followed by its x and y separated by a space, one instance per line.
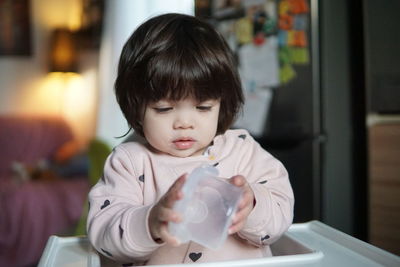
pixel 184 143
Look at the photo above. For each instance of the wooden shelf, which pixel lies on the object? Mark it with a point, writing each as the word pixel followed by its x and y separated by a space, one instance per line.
pixel 384 185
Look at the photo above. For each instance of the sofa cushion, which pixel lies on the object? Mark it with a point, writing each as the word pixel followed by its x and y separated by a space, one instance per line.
pixel 27 139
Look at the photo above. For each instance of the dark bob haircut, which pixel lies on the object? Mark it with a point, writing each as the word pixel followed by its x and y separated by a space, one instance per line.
pixel 174 56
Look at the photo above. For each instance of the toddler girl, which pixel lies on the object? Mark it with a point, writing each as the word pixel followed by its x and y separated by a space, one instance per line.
pixel 178 87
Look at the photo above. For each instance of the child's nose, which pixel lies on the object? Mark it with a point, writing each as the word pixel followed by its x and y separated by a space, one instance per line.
pixel 183 121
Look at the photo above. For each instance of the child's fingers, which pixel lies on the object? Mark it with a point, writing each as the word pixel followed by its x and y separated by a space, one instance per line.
pixel 179 182
pixel 182 179
pixel 166 237
pixel 245 205
pixel 163 213
pixel 241 215
pixel 236 227
pixel 175 192
pixel 237 180
pixel 168 215
pixel 170 198
pixel 247 199
pixel 240 218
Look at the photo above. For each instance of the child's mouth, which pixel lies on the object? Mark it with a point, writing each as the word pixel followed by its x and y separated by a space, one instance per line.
pixel 184 143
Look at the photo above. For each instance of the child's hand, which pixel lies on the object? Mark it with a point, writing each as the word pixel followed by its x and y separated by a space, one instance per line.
pixel 162 213
pixel 245 206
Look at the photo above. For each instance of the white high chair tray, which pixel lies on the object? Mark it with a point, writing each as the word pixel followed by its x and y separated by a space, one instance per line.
pixel 306 244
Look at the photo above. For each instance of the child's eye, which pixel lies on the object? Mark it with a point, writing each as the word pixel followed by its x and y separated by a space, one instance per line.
pixel 204 108
pixel 163 109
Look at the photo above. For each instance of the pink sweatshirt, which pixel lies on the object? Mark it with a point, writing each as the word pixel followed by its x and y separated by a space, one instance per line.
pixel 135 178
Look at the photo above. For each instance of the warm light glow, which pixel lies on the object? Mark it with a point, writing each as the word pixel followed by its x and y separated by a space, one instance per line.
pixel 61 13
pixel 75 19
pixel 46 96
pixel 79 103
pixel 69 95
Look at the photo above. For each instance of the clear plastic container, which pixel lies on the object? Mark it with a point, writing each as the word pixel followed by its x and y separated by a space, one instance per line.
pixel 207 208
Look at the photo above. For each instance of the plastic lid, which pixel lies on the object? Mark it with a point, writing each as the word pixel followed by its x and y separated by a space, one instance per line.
pixel 207 207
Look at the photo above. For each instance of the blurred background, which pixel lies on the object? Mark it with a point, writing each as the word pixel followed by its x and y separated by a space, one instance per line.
pixel 332 115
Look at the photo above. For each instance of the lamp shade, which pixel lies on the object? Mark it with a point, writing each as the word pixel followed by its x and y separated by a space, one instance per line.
pixel 63 54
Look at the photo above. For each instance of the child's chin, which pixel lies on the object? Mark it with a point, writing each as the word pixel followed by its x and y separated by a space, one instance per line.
pixel 184 153
pixel 181 155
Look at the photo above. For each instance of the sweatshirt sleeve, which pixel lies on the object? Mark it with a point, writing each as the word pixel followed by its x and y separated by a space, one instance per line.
pixel 117 220
pixel 273 212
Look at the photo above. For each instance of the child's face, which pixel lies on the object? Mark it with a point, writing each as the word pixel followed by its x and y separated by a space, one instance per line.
pixel 181 128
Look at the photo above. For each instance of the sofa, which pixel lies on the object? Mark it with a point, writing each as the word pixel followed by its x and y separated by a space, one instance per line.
pixel 33 207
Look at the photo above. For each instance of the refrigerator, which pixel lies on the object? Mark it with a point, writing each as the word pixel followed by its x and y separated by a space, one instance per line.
pixel 293 130
pixel 291 126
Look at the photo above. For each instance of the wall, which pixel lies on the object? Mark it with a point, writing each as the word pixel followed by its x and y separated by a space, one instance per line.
pixel 382 55
pixel 27 87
